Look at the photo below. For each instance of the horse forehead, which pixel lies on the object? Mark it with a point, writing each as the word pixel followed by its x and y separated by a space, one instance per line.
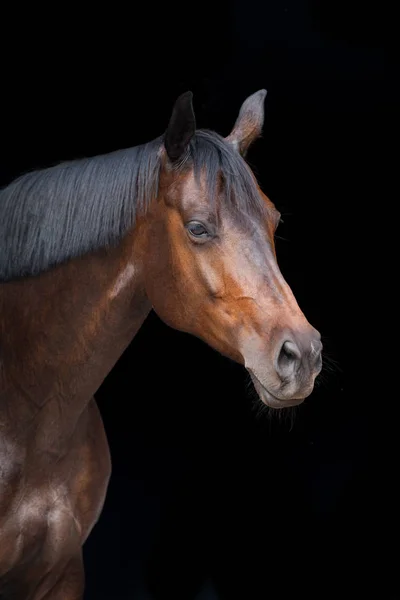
pixel 193 192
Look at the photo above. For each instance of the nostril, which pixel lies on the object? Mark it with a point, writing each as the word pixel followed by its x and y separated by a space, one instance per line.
pixel 291 351
pixel 288 358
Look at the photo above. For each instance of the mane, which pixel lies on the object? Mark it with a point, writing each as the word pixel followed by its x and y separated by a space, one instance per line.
pixel 50 216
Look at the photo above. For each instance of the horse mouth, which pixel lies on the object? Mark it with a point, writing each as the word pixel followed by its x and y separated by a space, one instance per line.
pixel 269 399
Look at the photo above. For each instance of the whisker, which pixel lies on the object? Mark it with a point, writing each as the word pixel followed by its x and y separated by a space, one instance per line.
pixel 271 415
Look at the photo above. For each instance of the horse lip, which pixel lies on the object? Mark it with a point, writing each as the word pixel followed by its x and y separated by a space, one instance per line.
pixel 269 398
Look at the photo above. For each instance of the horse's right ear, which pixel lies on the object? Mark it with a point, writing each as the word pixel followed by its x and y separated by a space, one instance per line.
pixel 181 127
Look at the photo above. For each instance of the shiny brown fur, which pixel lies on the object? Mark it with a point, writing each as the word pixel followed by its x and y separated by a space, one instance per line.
pixel 63 330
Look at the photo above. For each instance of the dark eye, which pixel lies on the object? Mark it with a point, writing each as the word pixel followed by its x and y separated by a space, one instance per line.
pixel 197 230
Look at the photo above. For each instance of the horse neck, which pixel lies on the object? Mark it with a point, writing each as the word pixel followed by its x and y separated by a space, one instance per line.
pixel 61 334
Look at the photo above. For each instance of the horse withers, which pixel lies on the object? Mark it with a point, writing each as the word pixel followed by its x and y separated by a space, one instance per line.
pixel 87 249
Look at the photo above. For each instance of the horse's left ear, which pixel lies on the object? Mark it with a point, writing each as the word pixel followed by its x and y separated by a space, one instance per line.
pixel 181 127
pixel 249 124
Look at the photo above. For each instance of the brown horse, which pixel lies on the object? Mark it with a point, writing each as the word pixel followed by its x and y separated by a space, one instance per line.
pixel 88 248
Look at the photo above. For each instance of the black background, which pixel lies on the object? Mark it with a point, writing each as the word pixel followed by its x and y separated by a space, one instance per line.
pixel 208 495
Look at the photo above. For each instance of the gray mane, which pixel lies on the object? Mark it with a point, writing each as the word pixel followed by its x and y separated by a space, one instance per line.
pixel 53 215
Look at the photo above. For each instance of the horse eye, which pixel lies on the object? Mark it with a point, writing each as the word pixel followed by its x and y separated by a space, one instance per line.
pixel 197 229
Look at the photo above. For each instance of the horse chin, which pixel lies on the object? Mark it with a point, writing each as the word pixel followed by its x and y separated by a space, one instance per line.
pixel 270 399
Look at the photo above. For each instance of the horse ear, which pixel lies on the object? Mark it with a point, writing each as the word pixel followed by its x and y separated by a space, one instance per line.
pixel 181 127
pixel 249 123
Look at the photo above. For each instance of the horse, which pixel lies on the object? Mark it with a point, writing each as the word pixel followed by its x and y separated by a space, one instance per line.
pixel 89 247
